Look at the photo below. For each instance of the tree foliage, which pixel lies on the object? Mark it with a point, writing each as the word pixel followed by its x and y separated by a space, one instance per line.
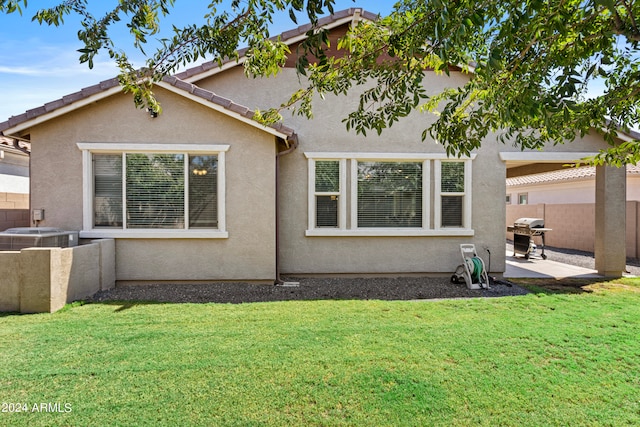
pixel 531 63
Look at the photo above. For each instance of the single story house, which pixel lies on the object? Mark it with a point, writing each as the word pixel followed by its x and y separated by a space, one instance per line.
pixel 205 193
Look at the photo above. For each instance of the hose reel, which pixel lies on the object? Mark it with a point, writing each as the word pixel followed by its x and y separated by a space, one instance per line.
pixel 472 271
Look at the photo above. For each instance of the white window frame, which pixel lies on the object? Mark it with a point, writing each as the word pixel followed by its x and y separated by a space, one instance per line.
pixel 342 200
pixel 348 209
pixel 466 201
pixel 89 231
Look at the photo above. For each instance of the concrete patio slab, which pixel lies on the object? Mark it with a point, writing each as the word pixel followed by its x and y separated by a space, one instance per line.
pixel 544 269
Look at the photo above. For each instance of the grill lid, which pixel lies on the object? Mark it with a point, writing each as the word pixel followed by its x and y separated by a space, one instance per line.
pixel 529 222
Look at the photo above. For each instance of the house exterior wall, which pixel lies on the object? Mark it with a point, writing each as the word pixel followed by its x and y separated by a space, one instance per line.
pixel 303 254
pixel 248 252
pixel 14 188
pixel 314 255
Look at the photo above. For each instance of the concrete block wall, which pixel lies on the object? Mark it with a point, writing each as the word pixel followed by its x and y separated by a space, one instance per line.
pixel 14 210
pixel 43 280
pixel 574 224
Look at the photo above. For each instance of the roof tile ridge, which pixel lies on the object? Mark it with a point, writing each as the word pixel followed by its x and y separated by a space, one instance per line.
pixel 222 101
pixel 284 36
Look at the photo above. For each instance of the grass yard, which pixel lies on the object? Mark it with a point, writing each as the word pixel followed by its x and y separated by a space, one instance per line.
pixel 542 359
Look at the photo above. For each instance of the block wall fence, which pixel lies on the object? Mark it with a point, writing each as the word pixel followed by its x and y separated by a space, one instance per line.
pixel 574 224
pixel 14 210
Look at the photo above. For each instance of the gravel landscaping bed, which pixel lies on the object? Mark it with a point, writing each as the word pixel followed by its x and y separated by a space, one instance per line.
pixel 400 288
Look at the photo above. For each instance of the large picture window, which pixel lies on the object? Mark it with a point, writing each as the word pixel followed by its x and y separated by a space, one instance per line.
pixel 389 194
pixel 367 194
pixel 154 192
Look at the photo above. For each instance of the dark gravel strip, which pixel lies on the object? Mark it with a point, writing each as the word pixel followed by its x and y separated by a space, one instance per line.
pixel 401 288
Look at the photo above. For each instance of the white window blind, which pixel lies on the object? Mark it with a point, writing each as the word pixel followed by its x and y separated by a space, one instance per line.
pixel 390 194
pixel 156 191
pixel 327 192
pixel 203 197
pixel 107 202
pixel 452 193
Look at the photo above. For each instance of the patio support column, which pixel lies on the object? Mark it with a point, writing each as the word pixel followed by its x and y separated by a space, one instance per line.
pixel 610 233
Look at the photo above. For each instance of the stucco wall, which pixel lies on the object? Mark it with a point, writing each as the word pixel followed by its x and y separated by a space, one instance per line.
pixel 40 280
pixel 248 252
pixel 326 133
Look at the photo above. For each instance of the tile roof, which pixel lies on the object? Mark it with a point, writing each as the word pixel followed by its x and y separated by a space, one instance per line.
pixel 563 175
pixel 177 81
pixel 105 85
pixel 286 37
pixel 59 103
pixel 8 143
pixel 226 103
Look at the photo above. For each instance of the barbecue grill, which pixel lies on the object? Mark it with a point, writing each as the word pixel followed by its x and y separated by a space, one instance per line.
pixel 524 230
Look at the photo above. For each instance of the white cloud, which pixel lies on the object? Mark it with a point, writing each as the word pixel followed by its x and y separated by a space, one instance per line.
pixel 33 73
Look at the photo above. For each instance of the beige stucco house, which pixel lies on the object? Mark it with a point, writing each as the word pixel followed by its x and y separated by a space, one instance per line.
pixel 203 192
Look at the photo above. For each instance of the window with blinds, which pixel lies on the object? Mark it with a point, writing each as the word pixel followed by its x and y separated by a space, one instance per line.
pixel 389 194
pixel 452 194
pixel 107 201
pixel 327 192
pixel 155 191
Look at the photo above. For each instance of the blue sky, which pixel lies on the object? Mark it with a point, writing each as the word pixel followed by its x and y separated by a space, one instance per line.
pixel 39 64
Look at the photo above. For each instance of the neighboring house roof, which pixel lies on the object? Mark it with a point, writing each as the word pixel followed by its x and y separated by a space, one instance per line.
pixel 563 175
pixel 288 37
pixel 15 145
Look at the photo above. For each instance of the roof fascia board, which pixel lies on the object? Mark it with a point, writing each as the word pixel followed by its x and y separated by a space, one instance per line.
pixel 61 111
pixel 626 137
pixel 546 157
pixel 222 110
pixel 288 42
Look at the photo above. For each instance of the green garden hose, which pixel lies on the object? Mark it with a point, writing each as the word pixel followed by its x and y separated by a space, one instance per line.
pixel 477 269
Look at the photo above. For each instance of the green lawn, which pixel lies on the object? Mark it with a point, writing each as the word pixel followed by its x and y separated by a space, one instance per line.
pixel 542 359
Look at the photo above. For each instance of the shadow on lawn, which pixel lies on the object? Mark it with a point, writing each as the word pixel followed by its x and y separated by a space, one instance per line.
pixel 558 286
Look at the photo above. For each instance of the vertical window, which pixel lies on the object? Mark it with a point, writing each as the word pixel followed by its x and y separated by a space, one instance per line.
pixel 155 190
pixel 107 184
pixel 523 198
pixel 452 193
pixel 508 199
pixel 203 197
pixel 389 194
pixel 327 192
